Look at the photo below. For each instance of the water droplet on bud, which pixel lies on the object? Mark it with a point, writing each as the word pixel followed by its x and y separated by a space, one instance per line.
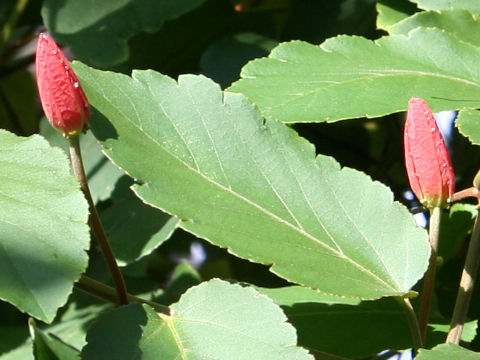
pixel 76 84
pixel 54 52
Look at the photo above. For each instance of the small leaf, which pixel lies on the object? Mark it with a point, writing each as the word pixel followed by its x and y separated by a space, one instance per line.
pixel 215 320
pixel 351 77
pixel 255 186
pixel 467 123
pixel 460 23
pixel 447 352
pixel 43 230
pixel 391 12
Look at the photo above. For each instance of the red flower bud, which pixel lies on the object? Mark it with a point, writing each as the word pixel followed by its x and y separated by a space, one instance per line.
pixel 63 100
pixel 428 163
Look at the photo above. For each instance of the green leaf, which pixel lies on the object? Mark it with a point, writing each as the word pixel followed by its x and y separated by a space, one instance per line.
pixel 223 60
pixel 350 77
pixel 49 347
pixel 43 231
pixel 101 173
pixel 248 326
pixel 99 36
pixel 134 229
pixel 455 226
pixel 460 23
pixel 309 310
pixel 447 352
pixel 472 6
pixel 254 186
pixel 468 124
pixel 392 11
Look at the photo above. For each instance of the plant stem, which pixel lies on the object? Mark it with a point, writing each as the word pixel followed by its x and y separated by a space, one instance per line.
pixel 95 223
pixel 429 282
pixel 465 289
pixel 108 293
pixel 412 322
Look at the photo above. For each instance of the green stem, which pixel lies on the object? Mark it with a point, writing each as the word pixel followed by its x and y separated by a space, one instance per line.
pixel 10 23
pixel 465 289
pixel 95 223
pixel 108 293
pixel 417 338
pixel 429 282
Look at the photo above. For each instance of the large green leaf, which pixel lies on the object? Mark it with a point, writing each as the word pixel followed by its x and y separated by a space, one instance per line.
pixel 215 320
pixel 43 231
pixel 447 352
pixel 310 312
pixel 349 77
pixel 460 23
pixel 253 185
pixel 472 6
pixel 98 31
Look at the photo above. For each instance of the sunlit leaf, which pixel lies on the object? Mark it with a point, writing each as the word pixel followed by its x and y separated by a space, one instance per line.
pixel 253 185
pixel 215 320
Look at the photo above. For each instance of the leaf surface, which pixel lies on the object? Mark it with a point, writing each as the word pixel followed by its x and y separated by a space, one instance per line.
pixel 350 77
pixel 447 352
pixel 392 11
pixel 254 186
pixel 43 230
pixel 99 36
pixel 215 320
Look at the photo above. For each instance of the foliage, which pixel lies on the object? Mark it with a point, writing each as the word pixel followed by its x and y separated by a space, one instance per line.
pixel 281 172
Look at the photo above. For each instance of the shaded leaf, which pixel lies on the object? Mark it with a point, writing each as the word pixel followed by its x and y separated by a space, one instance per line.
pixel 455 226
pixel 447 352
pixel 223 60
pixel 108 24
pixel 248 326
pixel 350 77
pixel 310 312
pixel 460 23
pixel 43 231
pixel 48 347
pixel 134 229
pixel 254 186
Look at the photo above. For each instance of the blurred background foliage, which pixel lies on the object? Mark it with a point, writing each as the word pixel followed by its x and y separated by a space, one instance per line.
pixel 215 38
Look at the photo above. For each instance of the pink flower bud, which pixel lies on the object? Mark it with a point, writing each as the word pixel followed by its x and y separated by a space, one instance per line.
pixel 428 163
pixel 63 100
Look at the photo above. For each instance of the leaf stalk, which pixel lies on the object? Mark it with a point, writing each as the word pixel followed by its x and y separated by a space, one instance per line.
pixel 94 221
